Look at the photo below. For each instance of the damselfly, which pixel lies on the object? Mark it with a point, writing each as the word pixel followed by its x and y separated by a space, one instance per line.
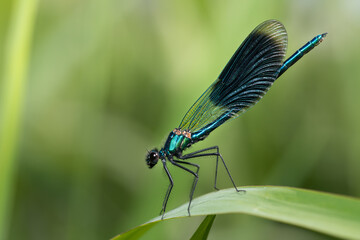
pixel 251 71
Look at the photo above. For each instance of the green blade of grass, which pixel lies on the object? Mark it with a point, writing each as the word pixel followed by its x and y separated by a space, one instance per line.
pixel 13 83
pixel 327 213
pixel 203 230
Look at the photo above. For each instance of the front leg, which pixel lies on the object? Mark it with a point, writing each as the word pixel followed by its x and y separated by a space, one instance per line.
pixel 167 195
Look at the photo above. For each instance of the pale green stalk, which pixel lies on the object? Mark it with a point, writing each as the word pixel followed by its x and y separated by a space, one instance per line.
pixel 13 84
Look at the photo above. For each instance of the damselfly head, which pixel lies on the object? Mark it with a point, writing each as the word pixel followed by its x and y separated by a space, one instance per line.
pixel 152 158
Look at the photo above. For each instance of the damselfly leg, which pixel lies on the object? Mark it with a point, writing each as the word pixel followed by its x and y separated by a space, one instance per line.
pixel 200 153
pixel 171 185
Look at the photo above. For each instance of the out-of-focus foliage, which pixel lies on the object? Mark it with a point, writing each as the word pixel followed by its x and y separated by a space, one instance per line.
pixel 203 230
pixel 109 79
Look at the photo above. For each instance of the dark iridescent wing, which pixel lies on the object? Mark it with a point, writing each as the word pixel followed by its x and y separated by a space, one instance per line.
pixel 245 79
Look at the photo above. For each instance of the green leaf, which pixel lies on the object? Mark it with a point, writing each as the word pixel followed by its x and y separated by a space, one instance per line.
pixel 203 230
pixel 137 232
pixel 330 214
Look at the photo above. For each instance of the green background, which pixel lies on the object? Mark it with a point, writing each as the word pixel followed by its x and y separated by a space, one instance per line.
pixel 108 80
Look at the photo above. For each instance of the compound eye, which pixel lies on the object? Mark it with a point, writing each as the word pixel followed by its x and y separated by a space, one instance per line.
pixel 154 156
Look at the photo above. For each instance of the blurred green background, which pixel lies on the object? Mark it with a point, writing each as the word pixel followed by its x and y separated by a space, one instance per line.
pixel 108 80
